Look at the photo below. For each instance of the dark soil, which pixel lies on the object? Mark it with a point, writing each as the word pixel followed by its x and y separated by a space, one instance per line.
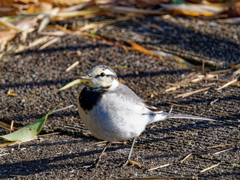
pixel 33 75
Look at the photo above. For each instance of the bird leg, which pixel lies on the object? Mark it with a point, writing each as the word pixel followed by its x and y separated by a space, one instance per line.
pixel 99 157
pixel 130 153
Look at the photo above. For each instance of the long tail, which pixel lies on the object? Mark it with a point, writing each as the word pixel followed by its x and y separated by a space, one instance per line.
pixel 185 116
pixel 164 115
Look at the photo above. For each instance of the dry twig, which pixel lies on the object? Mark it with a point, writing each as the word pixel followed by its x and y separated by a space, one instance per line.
pixel 227 84
pixel 162 166
pixel 191 93
pixel 209 168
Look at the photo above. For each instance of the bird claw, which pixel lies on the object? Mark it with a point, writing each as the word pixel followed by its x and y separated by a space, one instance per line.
pixel 94 165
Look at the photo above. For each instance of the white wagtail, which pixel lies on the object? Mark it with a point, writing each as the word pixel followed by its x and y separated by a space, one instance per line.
pixel 113 112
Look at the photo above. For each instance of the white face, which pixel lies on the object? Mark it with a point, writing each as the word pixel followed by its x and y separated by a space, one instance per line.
pixel 103 77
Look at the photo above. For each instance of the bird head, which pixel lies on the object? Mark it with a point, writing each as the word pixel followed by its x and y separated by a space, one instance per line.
pixel 102 76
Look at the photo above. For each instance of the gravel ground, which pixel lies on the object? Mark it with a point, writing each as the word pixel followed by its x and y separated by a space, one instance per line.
pixel 33 75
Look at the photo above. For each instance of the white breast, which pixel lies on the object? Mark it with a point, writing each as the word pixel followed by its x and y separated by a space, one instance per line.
pixel 115 118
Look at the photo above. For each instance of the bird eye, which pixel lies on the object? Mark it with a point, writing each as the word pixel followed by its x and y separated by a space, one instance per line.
pixel 102 74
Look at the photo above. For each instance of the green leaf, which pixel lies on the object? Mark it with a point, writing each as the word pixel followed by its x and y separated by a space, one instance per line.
pixel 28 132
pixel 77 81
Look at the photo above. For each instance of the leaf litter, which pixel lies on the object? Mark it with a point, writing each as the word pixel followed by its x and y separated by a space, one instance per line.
pixel 27 132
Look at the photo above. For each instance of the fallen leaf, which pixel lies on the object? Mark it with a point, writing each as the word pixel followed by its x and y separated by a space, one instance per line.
pixel 194 10
pixel 28 132
pixel 9 11
pixel 68 3
pixel 147 3
pixel 121 9
pixel 6 36
pixel 121 80
pixel 75 82
pixel 76 13
pixel 47 18
pixel 11 94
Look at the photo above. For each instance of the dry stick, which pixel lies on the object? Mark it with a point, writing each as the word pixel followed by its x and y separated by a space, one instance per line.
pixel 49 43
pixel 11 128
pixel 64 108
pixel 216 153
pixel 223 145
pixel 162 166
pixel 210 168
pixel 225 81
pixel 178 105
pixel 191 93
pixel 171 109
pixel 227 84
pixel 72 66
pixel 49 134
pixel 186 158
pixel 211 103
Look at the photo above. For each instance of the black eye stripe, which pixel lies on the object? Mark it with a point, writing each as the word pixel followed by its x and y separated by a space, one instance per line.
pixel 106 75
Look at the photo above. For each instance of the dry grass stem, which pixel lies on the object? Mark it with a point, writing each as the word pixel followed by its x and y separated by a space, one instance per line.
pixel 191 93
pixel 70 106
pixel 11 128
pixel 49 43
pixel 209 168
pixel 221 71
pixel 101 142
pixel 211 103
pixel 186 158
pixel 49 134
pixel 216 153
pixel 178 105
pixel 225 81
pixel 218 146
pixel 227 84
pixel 162 166
pixel 55 33
pixel 40 41
pixel 72 66
pixel 220 114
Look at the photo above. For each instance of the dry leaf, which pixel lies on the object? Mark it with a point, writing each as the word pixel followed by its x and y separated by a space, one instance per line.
pixel 121 9
pixel 26 23
pixel 67 3
pixel 121 80
pixel 194 10
pixel 9 11
pixel 147 3
pixel 6 36
pixel 11 94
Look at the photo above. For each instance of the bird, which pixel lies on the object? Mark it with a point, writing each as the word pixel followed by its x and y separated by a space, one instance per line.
pixel 112 112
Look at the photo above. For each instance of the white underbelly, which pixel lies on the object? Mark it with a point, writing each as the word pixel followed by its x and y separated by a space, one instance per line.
pixel 111 125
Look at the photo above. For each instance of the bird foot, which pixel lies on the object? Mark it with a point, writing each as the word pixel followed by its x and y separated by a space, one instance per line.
pixel 94 165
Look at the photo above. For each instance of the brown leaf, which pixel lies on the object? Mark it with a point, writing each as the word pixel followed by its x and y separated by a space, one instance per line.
pixel 6 36
pixel 9 11
pixel 68 3
pixel 194 10
pixel 121 80
pixel 147 3
pixel 26 23
pixel 6 3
